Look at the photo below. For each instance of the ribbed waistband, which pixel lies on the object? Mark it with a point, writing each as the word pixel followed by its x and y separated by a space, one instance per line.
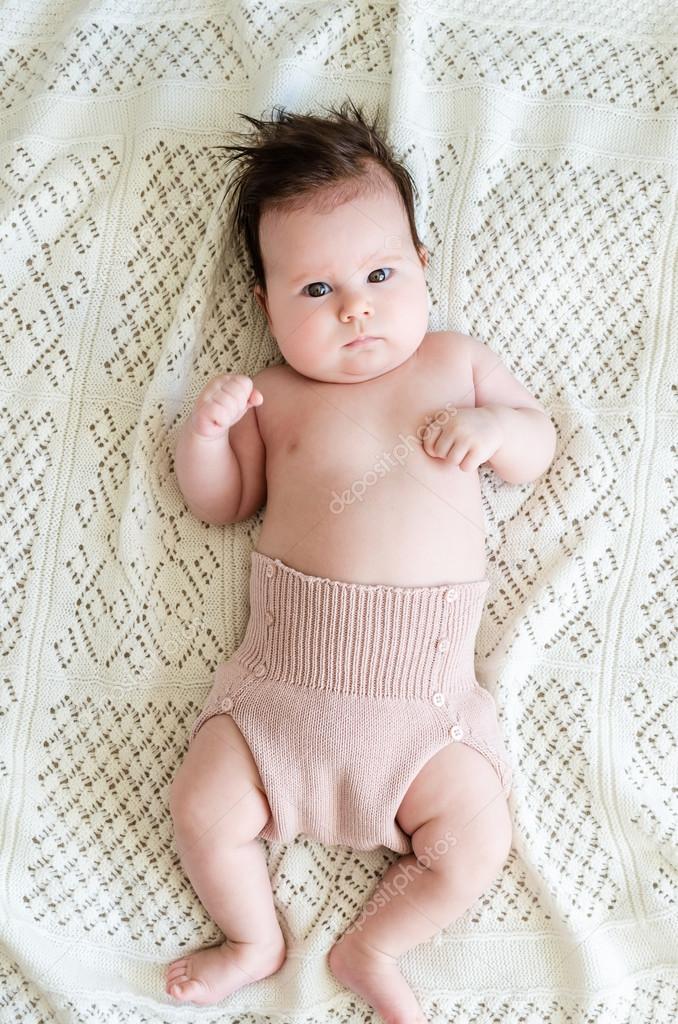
pixel 363 639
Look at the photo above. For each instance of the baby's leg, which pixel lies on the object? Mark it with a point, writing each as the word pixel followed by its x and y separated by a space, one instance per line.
pixel 218 807
pixel 461 830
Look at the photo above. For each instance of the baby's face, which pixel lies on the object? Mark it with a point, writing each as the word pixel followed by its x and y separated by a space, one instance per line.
pixel 332 276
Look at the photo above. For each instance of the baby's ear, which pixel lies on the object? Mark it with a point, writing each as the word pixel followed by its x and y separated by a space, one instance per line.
pixel 261 299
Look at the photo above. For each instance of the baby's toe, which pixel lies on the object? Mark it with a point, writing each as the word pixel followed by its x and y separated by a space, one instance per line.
pixel 177 970
pixel 185 988
pixel 177 979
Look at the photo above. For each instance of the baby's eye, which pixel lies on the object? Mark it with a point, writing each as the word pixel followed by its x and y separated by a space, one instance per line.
pixel 316 284
pixel 381 270
pixel 323 284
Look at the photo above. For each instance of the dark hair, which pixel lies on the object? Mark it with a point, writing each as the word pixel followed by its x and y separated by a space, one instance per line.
pixel 296 156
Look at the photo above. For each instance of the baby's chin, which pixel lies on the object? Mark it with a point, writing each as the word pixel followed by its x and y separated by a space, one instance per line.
pixel 373 362
pixel 357 372
pixel 354 366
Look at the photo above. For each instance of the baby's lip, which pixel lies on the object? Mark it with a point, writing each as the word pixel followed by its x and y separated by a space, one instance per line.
pixel 361 337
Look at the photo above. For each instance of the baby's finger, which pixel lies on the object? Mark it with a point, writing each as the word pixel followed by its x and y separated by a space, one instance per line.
pixel 431 435
pixel 229 403
pixel 470 461
pixel 459 452
pixel 231 384
pixel 445 444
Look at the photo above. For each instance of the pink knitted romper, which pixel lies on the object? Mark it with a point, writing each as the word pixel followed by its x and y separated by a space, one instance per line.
pixel 343 691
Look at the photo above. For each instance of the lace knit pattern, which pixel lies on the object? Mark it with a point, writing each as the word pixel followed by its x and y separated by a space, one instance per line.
pixel 543 139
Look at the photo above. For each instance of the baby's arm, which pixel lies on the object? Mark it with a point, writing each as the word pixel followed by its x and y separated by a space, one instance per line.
pixel 222 477
pixel 530 437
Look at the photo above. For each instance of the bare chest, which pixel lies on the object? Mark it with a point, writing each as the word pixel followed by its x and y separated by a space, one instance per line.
pixel 329 433
pixel 352 494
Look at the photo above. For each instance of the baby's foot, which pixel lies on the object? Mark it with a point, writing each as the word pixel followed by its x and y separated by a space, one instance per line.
pixel 213 973
pixel 377 978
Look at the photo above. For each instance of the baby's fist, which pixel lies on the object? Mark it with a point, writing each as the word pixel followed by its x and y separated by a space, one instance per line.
pixel 465 437
pixel 223 402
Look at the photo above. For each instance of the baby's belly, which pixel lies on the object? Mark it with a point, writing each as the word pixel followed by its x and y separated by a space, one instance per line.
pixel 420 528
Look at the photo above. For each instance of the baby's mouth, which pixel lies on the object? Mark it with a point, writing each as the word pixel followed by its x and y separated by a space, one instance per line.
pixel 360 340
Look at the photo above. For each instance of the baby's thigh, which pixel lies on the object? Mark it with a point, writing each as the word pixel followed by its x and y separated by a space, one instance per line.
pixel 458 792
pixel 218 786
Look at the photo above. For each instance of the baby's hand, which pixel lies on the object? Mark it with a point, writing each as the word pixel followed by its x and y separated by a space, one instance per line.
pixel 222 403
pixel 468 437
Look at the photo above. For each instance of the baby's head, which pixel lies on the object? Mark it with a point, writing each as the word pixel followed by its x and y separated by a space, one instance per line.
pixel 327 218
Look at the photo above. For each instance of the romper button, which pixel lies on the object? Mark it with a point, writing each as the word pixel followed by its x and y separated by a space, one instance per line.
pixel 270 618
pixel 438 699
pixel 260 670
pixel 269 571
pixel 456 732
pixel 443 645
pixel 451 596
pixel 226 704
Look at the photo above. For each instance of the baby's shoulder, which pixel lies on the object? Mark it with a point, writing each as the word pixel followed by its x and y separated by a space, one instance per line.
pixel 272 377
pixel 441 347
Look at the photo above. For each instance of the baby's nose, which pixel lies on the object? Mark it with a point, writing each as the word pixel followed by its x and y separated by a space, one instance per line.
pixel 356 311
pixel 355 301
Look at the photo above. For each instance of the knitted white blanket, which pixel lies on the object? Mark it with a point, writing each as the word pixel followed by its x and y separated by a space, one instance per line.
pixel 543 139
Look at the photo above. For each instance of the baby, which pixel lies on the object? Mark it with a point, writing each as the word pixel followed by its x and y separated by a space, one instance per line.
pixel 350 712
